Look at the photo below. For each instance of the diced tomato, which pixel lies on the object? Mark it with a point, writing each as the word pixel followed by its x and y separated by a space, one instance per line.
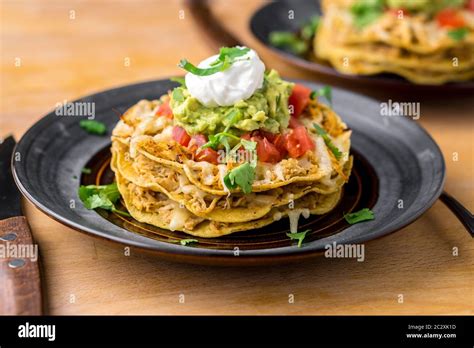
pixel 470 5
pixel 298 142
pixel 450 18
pixel 246 136
pixel 266 151
pixel 299 99
pixel 270 136
pixel 305 139
pixel 294 123
pixel 180 136
pixel 399 11
pixel 165 110
pixel 196 142
pixel 207 155
pixel 280 144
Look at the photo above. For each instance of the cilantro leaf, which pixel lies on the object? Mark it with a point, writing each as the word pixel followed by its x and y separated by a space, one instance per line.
pixel 299 236
pixel 93 127
pixel 458 34
pixel 230 53
pixel 337 153
pixel 86 170
pixel 227 56
pixel 309 29
pixel 288 40
pixel 178 95
pixel 179 80
pixel 325 92
pixel 231 118
pixel 102 196
pixel 213 142
pixel 249 145
pixel 184 64
pixel 219 138
pixel 439 5
pixel 359 216
pixel 185 242
pixel 241 176
pixel 365 12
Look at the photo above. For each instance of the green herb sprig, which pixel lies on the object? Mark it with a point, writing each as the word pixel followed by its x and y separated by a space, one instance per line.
pixel 359 216
pixel 101 196
pixel 328 141
pixel 325 92
pixel 242 176
pixel 179 80
pixel 297 43
pixel 365 12
pixel 223 137
pixel 458 34
pixel 288 40
pixel 299 236
pixel 93 127
pixel 227 56
pixel 185 242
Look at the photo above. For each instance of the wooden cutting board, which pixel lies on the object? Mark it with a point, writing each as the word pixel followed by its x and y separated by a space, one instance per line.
pixel 54 51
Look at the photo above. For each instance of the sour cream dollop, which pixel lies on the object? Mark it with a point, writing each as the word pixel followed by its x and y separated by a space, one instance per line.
pixel 239 82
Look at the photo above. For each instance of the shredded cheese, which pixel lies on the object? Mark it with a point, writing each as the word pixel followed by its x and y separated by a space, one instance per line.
pixel 165 135
pixel 278 170
pixel 294 216
pixel 322 154
pixel 178 217
pixel 222 174
pixel 208 176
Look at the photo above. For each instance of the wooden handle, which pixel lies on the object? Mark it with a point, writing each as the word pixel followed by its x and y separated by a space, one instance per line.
pixel 20 289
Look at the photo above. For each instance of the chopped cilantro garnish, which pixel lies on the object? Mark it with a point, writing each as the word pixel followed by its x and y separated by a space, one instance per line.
pixel 102 196
pixel 328 141
pixel 185 242
pixel 93 127
pixel 227 56
pixel 231 118
pixel 439 5
pixel 249 145
pixel 86 171
pixel 297 43
pixel 325 92
pixel 230 53
pixel 241 176
pixel 365 12
pixel 179 80
pixel 359 216
pixel 178 95
pixel 309 29
pixel 299 236
pixel 458 34
pixel 288 40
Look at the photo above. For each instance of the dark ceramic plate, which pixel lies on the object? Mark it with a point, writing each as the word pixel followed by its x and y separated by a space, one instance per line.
pixel 395 159
pixel 274 16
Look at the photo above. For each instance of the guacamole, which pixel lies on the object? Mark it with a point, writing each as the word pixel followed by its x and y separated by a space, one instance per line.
pixel 266 109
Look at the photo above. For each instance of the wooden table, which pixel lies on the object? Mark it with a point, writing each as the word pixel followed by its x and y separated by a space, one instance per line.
pixel 71 49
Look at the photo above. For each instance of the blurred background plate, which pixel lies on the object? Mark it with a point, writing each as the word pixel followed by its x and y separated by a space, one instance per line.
pixel 274 17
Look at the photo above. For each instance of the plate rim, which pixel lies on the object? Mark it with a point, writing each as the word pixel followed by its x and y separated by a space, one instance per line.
pixel 196 254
